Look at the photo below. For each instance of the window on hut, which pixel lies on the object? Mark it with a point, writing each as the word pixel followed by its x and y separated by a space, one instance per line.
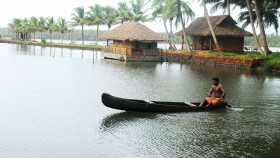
pixel 149 45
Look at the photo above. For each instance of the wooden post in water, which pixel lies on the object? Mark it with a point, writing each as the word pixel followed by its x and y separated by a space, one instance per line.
pixel 93 56
pixel 61 52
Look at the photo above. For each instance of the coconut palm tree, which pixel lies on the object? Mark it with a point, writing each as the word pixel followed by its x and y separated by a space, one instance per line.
pixel 34 23
pixel 123 12
pixel 62 27
pixel 51 26
pixel 15 26
pixel 96 17
pixel 183 13
pixel 25 28
pixel 258 5
pixel 138 11
pixel 210 26
pixel 157 5
pixel 79 18
pixel 41 25
pixel 219 4
pixel 110 16
pixel 248 3
pixel 269 15
pixel 179 11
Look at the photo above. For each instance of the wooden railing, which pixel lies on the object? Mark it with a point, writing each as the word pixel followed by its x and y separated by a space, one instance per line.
pixel 123 51
pixel 151 52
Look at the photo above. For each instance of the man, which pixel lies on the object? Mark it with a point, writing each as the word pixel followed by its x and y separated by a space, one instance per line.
pixel 216 94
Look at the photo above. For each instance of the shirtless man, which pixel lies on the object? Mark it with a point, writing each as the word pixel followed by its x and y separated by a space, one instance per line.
pixel 216 94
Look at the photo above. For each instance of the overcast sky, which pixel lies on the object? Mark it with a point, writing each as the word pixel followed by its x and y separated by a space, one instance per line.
pixel 64 8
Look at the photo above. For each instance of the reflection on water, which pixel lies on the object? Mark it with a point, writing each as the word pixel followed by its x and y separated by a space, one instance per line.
pixel 113 121
pixel 51 107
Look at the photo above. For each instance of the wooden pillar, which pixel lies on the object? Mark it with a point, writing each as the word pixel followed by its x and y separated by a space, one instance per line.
pixel 210 44
pixel 182 42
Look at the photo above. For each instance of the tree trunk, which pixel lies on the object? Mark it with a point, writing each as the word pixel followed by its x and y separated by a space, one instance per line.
pixel 97 34
pixel 210 27
pixel 172 36
pixel 167 34
pixel 262 31
pixel 183 25
pixel 82 34
pixel 61 37
pixel 71 35
pixel 228 6
pixel 253 27
pixel 51 36
pixel 34 33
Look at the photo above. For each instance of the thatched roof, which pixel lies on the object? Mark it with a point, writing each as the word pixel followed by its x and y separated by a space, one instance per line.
pixel 223 25
pixel 131 31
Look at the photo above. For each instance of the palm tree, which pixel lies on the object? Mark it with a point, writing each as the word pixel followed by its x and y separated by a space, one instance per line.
pixel 41 25
pixel 79 18
pixel 25 28
pixel 182 11
pixel 51 26
pixel 224 4
pixel 210 26
pixel 138 13
pixel 15 26
pixel 269 15
pixel 96 17
pixel 261 26
pixel 62 27
pixel 123 12
pixel 253 27
pixel 34 23
pixel 110 16
pixel 158 12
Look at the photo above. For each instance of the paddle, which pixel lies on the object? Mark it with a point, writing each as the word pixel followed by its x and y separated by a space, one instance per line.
pixel 148 101
pixel 190 104
pixel 228 105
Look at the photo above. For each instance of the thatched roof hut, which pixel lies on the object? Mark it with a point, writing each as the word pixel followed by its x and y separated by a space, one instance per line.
pixel 223 25
pixel 132 42
pixel 131 31
pixel 230 37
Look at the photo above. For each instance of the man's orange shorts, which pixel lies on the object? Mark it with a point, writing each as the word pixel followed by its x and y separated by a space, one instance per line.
pixel 214 101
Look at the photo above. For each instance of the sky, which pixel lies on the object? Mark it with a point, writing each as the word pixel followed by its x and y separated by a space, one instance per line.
pixel 64 8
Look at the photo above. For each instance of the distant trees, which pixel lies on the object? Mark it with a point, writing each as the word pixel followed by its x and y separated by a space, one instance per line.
pixel 79 18
pixel 264 13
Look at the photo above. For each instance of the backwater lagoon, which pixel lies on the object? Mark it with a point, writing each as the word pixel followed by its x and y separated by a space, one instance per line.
pixel 51 108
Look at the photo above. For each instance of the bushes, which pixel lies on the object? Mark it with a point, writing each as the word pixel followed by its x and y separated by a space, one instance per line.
pixel 273 62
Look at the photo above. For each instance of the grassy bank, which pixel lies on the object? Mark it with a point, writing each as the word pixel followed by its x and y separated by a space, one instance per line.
pixel 49 44
pixel 271 62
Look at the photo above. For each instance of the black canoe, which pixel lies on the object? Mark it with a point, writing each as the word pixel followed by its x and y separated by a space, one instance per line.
pixel 153 106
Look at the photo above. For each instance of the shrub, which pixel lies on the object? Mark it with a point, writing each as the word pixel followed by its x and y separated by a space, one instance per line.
pixel 44 41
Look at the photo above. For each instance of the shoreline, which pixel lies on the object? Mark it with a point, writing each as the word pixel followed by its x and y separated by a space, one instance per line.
pixel 198 59
pixel 72 46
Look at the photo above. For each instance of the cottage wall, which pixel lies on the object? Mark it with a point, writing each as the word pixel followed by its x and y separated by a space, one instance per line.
pixel 227 44
pixel 231 44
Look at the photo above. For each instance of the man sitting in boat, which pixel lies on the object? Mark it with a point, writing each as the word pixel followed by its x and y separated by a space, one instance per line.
pixel 216 95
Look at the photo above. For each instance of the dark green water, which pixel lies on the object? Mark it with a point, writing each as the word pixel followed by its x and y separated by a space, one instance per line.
pixel 51 107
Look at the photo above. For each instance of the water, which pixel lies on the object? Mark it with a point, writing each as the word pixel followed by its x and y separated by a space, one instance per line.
pixel 51 108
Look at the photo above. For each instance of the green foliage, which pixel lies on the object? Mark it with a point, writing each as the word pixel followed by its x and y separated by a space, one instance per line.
pixel 43 40
pixel 244 56
pixel 273 62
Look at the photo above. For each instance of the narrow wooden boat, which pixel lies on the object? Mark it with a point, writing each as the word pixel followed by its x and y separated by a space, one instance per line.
pixel 153 106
